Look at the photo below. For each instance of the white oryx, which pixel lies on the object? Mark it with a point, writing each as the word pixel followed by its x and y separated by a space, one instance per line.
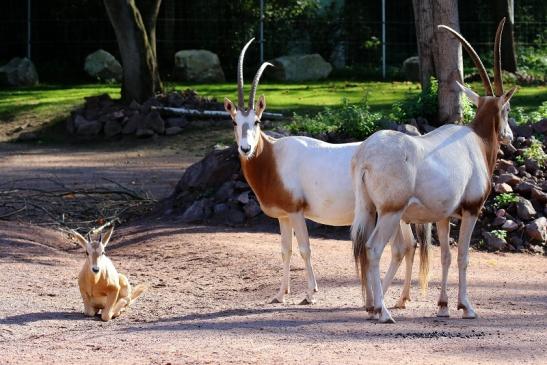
pixel 430 178
pixel 295 178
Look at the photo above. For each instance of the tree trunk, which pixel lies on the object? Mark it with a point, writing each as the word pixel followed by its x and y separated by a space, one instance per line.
pixel 506 8
pixel 136 35
pixel 440 54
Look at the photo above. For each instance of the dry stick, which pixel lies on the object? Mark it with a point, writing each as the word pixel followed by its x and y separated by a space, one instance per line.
pixel 208 113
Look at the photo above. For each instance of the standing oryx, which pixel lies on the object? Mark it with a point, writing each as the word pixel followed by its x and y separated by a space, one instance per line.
pixel 295 178
pixel 430 178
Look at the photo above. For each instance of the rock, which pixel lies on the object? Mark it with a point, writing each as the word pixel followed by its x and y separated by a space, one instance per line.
pixel 155 122
pixel 388 124
pixel 307 67
pixel 146 107
pixel 523 131
pixel 243 198
pixel 213 170
pixel 502 164
pixel 102 66
pixel 531 166
pixel 501 213
pixel 503 188
pixel 236 216
pixel 541 126
pixel 499 221
pixel 171 131
pixel 252 209
pixel 241 185
pixel 228 214
pixel 18 72
pixel 88 128
pixel 493 242
pixel 538 196
pixel 144 133
pixel 274 134
pixel 175 100
pixel 198 65
pixel 428 128
pixel 537 249
pixel 509 225
pixel 133 124
pixel 112 128
pixel 198 211
pixel 411 68
pixel 225 191
pixel 516 241
pixel 134 105
pixel 537 230
pixel 409 129
pixel 180 122
pixel 524 188
pixel 508 179
pixel 525 209
pixel 27 137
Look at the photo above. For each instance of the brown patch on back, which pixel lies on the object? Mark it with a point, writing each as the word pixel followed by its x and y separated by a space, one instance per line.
pixel 262 175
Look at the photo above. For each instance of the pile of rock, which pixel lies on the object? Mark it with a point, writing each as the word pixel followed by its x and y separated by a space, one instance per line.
pixel 214 191
pixel 18 72
pixel 516 221
pixel 102 116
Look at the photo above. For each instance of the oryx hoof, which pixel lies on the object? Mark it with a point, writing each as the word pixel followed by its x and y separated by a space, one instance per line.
pixel 276 300
pixel 307 301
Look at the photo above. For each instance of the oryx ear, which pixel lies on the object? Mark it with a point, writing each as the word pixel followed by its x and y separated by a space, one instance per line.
pixel 230 107
pixel 106 238
pixel 80 239
pixel 471 95
pixel 505 98
pixel 260 106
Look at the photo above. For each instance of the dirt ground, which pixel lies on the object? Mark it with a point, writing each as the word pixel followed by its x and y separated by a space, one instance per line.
pixel 209 288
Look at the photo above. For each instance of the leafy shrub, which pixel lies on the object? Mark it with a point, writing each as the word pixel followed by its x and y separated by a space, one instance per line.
pixel 422 105
pixel 499 233
pixel 521 117
pixel 505 199
pixel 351 120
pixel 534 152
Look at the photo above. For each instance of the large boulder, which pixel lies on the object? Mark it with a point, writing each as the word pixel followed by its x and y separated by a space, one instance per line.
pixel 102 66
pixel 308 67
pixel 18 72
pixel 411 69
pixel 198 65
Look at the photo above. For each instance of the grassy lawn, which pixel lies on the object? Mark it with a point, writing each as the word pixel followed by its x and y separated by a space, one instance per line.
pixel 47 103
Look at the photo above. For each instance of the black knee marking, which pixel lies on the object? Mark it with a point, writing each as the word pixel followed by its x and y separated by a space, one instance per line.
pixel 442 303
pixel 461 306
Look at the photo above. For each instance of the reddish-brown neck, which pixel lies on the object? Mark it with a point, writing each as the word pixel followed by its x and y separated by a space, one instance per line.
pixel 487 126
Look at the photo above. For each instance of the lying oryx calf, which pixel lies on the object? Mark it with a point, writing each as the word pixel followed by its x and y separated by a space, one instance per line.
pixel 101 286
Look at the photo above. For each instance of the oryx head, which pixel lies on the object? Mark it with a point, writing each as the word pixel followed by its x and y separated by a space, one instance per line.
pixel 94 249
pixel 246 121
pixel 495 104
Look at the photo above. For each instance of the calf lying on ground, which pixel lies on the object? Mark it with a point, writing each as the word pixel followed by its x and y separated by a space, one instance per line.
pixel 101 286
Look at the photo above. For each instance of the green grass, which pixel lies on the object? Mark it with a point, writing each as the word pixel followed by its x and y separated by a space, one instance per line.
pixel 51 102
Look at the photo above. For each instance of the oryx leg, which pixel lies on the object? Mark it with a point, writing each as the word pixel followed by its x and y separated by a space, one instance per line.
pixel 89 310
pixel 466 229
pixel 111 299
pixel 443 231
pixel 386 227
pixel 410 250
pixel 286 252
pixel 301 230
pixel 398 250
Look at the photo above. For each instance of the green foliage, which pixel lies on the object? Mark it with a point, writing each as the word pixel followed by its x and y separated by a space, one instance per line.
pixel 522 117
pixel 505 199
pixel 499 233
pixel 352 120
pixel 421 105
pixel 467 109
pixel 534 152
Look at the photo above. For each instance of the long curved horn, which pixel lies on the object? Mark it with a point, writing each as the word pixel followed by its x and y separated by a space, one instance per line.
pixel 476 60
pixel 240 98
pixel 255 84
pixel 498 82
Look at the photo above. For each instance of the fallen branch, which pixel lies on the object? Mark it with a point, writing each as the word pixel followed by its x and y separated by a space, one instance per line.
pixel 208 113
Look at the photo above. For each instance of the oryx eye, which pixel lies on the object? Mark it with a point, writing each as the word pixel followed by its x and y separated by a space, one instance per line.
pixel 234 123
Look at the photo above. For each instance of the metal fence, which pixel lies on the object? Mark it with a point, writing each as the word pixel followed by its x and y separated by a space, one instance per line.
pixel 59 47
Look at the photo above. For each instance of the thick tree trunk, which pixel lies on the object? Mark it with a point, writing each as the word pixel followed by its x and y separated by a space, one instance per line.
pixel 506 8
pixel 440 54
pixel 168 31
pixel 136 36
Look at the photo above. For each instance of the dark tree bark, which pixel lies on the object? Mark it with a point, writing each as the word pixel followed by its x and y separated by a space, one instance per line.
pixel 506 8
pixel 440 54
pixel 168 31
pixel 134 22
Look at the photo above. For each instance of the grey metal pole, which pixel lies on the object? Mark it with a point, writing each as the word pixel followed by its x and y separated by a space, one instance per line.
pixel 384 39
pixel 261 31
pixel 29 14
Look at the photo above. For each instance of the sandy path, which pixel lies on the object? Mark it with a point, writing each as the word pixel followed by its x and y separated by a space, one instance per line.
pixel 206 304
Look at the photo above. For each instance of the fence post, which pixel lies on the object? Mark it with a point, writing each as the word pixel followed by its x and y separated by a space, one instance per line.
pixel 383 39
pixel 29 14
pixel 261 31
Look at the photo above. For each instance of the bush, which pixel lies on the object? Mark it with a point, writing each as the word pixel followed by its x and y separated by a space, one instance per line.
pixel 423 105
pixel 521 117
pixel 351 120
pixel 534 152
pixel 505 199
